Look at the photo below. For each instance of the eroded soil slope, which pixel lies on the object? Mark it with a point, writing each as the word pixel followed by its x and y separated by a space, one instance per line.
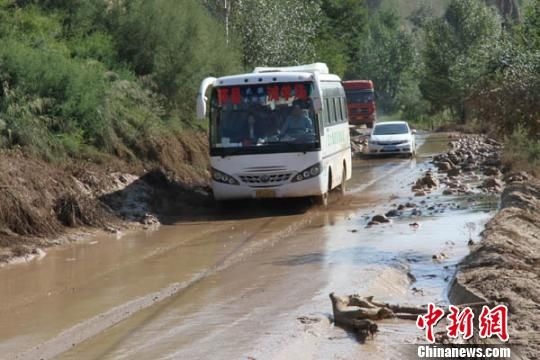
pixel 40 200
pixel 505 266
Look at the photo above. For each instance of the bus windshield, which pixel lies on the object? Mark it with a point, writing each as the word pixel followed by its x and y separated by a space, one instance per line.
pixel 263 118
pixel 360 96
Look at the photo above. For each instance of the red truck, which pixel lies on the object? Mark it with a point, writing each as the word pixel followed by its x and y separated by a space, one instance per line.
pixel 361 102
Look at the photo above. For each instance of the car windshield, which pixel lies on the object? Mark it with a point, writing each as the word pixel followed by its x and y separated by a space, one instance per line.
pixel 263 116
pixel 390 129
pixel 360 96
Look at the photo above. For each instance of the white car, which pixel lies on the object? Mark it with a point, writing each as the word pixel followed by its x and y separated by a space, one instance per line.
pixel 392 137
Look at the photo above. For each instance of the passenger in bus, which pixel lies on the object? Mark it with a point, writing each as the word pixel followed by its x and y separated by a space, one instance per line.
pixel 297 122
pixel 252 130
pixel 271 125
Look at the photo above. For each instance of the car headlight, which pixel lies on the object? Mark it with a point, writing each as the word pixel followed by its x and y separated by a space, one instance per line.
pixel 221 177
pixel 308 173
pixel 403 142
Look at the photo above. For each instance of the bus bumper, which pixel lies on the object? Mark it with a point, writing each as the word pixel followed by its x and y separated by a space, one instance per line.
pixel 310 187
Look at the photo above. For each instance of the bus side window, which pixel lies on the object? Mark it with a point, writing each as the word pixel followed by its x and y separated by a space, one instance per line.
pixel 344 110
pixel 326 113
pixel 333 111
pixel 339 115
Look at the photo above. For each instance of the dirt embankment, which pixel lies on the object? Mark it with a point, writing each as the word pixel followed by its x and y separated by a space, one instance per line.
pixel 41 201
pixel 505 266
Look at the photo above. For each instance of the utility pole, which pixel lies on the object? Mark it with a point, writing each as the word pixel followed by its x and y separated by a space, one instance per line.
pixel 227 9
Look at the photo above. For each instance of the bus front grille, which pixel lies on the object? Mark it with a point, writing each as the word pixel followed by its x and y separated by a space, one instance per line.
pixel 264 169
pixel 263 179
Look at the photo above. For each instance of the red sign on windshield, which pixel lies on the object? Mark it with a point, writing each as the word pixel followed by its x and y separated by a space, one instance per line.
pixel 300 92
pixel 236 97
pixel 273 93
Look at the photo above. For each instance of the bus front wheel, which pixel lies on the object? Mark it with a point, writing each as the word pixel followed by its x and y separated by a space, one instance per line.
pixel 322 200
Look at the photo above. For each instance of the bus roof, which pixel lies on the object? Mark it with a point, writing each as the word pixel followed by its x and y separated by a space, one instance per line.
pixel 358 84
pixel 321 68
pixel 268 75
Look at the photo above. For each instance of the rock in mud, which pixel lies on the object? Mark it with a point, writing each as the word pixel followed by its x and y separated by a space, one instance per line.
pixel 380 219
pixel 492 171
pixel 492 185
pixel 516 177
pixel 439 257
pixel 453 158
pixel 428 180
pixel 416 212
pixel 393 213
pixel 444 166
pixel 453 172
pixel 149 219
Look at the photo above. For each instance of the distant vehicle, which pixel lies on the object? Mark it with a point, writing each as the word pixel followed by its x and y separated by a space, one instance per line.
pixel 277 132
pixel 361 102
pixel 393 137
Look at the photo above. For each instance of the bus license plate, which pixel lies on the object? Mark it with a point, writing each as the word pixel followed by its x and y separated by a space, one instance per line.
pixel 262 194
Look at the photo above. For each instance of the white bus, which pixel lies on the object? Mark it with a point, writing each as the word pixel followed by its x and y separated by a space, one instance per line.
pixel 277 133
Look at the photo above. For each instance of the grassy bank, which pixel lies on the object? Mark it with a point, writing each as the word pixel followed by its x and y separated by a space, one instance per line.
pixel 87 79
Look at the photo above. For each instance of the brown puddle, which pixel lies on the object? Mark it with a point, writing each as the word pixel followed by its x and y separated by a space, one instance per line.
pixel 241 285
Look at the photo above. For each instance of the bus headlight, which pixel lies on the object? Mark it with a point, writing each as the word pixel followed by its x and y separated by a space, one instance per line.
pixel 308 173
pixel 221 177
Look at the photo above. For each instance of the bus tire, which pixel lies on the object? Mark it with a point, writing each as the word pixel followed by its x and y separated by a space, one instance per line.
pixel 322 200
pixel 343 186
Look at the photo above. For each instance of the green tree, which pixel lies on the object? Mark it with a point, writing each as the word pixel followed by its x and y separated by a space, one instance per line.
pixel 530 30
pixel 274 33
pixel 467 27
pixel 173 45
pixel 341 33
pixel 386 57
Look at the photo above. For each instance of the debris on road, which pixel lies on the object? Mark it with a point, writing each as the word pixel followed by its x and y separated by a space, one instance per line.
pixel 380 219
pixel 359 140
pixel 426 183
pixel 439 257
pixel 503 266
pixel 492 185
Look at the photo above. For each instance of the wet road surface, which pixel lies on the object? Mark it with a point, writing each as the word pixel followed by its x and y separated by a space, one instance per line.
pixel 235 287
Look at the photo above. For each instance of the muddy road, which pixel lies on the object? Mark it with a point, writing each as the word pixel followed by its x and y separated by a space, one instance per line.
pixel 252 282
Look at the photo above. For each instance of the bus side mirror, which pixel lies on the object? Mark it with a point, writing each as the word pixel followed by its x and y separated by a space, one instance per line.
pixel 201 106
pixel 317 94
pixel 201 97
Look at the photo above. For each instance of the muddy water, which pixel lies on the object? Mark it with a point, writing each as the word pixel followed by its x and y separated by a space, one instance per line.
pixel 235 287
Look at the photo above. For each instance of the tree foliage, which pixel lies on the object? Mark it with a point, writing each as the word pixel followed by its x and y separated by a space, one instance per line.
pixel 341 33
pixel 87 75
pixel 76 75
pixel 386 57
pixel 276 33
pixel 468 26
